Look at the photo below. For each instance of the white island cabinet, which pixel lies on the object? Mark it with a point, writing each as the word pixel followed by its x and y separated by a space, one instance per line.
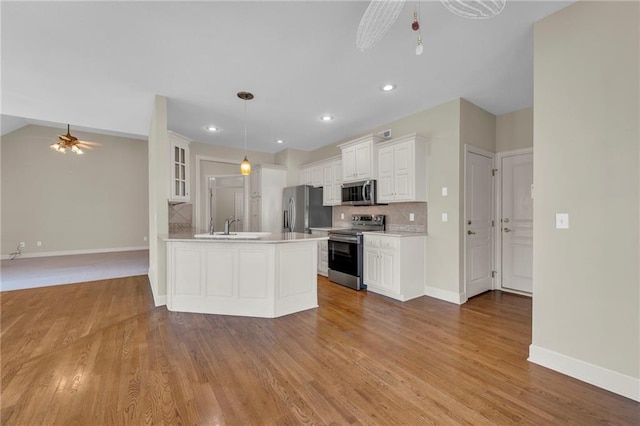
pixel 267 277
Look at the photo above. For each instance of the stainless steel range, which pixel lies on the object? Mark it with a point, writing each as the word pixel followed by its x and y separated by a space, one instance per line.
pixel 346 247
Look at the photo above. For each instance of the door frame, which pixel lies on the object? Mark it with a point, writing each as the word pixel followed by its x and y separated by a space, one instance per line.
pixel 472 149
pixel 497 208
pixel 199 158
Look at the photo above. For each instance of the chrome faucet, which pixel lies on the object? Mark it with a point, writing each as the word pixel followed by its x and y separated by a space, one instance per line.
pixel 211 230
pixel 228 222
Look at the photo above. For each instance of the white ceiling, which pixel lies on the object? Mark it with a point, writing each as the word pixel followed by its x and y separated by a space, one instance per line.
pixel 98 65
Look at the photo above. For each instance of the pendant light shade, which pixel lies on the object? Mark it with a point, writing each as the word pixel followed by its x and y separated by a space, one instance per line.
pixel 245 166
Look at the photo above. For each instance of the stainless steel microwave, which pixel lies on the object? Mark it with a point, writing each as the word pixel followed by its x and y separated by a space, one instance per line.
pixel 362 193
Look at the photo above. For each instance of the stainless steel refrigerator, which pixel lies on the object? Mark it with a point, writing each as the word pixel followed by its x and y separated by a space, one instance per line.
pixel 302 209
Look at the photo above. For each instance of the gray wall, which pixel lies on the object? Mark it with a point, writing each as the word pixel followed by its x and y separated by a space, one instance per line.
pixel 586 303
pixel 73 203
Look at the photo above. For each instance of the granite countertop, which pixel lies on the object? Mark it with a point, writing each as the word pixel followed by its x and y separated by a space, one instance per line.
pixel 275 238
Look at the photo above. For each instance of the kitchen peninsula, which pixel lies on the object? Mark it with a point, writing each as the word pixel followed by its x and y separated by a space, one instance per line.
pixel 269 276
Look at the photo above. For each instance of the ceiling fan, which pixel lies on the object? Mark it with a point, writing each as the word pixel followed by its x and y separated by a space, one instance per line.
pixel 381 14
pixel 69 141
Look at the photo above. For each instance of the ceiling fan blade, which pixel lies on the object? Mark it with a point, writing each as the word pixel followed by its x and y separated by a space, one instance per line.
pixel 475 9
pixel 89 144
pixel 376 21
pixel 65 138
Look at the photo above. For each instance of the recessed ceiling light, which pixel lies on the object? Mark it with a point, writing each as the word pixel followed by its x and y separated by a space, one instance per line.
pixel 326 118
pixel 388 87
pixel 279 141
pixel 212 128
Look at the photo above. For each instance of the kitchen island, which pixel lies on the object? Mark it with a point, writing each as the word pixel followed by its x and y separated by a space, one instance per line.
pixel 268 277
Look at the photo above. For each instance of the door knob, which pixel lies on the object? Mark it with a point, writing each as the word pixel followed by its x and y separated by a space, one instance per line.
pixel 507 230
pixel 470 232
pixel 505 220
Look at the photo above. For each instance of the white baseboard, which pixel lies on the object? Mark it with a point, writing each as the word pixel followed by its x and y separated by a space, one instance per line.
pixel 72 252
pixel 158 300
pixel 601 377
pixel 446 295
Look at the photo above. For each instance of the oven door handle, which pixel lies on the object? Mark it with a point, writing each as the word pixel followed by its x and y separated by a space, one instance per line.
pixel 343 239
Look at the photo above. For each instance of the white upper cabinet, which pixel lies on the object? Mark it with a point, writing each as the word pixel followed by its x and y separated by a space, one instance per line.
pixel 332 183
pixel 311 174
pixel 402 169
pixel 179 168
pixel 358 159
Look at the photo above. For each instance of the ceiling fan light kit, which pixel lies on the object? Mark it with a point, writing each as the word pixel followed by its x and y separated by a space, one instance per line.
pixel 67 141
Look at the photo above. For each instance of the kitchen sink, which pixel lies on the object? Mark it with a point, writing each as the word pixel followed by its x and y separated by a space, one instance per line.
pixel 234 235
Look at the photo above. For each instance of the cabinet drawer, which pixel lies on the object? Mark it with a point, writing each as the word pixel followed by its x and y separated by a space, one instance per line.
pixel 372 242
pixel 389 243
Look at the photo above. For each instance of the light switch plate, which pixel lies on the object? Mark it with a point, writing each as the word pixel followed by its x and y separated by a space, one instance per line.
pixel 562 220
pixel 445 191
pixel 412 217
pixel 445 217
pixel 341 215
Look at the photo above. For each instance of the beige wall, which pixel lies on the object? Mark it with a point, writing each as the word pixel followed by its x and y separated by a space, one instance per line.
pixel 514 130
pixel 292 159
pixel 158 196
pixel 586 302
pixel 95 201
pixel 477 127
pixel 442 126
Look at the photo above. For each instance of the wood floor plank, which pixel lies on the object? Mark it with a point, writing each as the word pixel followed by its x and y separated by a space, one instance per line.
pixel 101 353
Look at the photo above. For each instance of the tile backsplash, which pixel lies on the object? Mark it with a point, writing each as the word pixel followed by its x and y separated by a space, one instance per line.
pixel 396 215
pixel 180 217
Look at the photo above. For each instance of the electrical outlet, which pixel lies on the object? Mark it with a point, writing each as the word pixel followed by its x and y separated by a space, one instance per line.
pixel 445 217
pixel 144 238
pixel 412 217
pixel 341 215
pixel 39 243
pixel 22 244
pixel 445 191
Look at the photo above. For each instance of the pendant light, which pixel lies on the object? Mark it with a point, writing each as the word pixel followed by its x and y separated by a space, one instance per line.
pixel 245 166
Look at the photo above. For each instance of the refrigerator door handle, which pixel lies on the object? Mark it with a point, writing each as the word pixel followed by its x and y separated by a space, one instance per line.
pixel 285 220
pixel 292 215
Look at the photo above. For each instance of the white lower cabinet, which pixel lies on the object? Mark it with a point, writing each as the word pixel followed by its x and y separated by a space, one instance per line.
pixel 394 266
pixel 323 252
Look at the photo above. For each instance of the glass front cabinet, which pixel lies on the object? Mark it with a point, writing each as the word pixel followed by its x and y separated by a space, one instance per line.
pixel 179 168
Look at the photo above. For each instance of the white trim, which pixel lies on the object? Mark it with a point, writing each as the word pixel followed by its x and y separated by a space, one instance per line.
pixel 200 158
pixel 601 377
pixel 157 299
pixel 497 209
pixel 72 252
pixel 446 295
pixel 471 149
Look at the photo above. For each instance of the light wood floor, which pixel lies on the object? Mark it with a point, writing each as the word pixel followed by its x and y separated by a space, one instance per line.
pixel 101 353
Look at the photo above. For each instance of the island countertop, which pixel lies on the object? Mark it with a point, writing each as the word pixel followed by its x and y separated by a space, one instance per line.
pixel 275 238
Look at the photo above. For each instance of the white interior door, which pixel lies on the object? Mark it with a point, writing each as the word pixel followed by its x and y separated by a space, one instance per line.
pixel 478 223
pixel 516 217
